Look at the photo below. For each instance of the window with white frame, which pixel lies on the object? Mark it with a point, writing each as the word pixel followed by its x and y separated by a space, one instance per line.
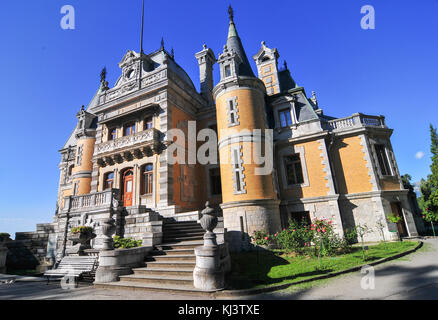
pixel 79 155
pixel 232 111
pixel 227 71
pixel 294 170
pixel 237 166
pixel 382 158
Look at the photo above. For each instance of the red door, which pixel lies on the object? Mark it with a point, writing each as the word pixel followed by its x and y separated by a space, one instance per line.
pixel 128 182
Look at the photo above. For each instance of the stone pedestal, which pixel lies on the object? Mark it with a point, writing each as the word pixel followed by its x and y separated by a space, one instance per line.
pixel 208 274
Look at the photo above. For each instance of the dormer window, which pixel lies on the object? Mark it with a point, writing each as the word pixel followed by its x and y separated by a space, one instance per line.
pixel 285 118
pixel 227 71
pixel 129 129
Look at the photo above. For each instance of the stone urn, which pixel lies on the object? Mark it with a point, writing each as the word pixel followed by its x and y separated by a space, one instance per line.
pixel 209 222
pixel 108 228
pixel 81 237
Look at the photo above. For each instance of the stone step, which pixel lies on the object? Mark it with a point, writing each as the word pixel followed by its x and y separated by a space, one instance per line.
pixel 172 252
pixel 175 264
pixel 183 234
pixel 186 230
pixel 156 271
pixel 180 257
pixel 160 279
pixel 129 285
pixel 182 238
pixel 169 245
pixel 184 226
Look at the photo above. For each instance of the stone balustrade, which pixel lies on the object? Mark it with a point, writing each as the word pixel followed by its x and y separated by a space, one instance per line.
pixel 357 120
pixel 90 201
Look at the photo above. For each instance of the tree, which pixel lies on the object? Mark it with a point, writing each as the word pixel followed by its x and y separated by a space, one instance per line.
pixel 429 187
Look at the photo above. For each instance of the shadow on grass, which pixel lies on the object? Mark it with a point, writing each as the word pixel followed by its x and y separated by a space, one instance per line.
pixel 250 269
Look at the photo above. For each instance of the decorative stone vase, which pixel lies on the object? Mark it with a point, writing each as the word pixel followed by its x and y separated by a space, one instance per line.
pixel 209 222
pixel 83 239
pixel 108 228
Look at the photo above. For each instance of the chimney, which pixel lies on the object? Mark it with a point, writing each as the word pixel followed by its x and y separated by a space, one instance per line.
pixel 206 60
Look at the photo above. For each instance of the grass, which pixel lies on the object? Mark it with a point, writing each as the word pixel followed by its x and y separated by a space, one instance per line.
pixel 266 268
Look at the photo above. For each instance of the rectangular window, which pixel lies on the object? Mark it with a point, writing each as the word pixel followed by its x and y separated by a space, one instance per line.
pixel 109 181
pixel 233 117
pixel 285 118
pixel 382 158
pixel 148 179
pixel 148 123
pixel 294 170
pixel 227 71
pixel 113 134
pixel 238 176
pixel 215 181
pixel 129 129
pixel 79 155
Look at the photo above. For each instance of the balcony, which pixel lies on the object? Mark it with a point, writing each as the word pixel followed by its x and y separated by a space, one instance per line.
pixel 357 120
pixel 143 143
pixel 93 201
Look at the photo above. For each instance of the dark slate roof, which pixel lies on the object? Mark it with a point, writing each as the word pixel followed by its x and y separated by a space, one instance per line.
pixel 234 43
pixel 286 81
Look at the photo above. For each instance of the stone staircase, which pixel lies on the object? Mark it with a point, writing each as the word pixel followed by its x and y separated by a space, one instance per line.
pixel 169 267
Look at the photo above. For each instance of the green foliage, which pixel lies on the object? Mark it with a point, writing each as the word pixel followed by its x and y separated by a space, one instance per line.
pixel 261 238
pixel 393 218
pixel 429 187
pixel 81 229
pixel 316 239
pixel 126 243
pixel 4 234
pixel 406 180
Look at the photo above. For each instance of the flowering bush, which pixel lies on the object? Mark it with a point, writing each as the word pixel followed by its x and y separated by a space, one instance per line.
pixel 261 238
pixel 318 238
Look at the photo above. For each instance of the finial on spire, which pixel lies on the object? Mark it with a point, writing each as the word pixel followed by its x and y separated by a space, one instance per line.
pixel 83 108
pixel 162 43
pixel 285 65
pixel 172 53
pixel 103 75
pixel 142 28
pixel 231 13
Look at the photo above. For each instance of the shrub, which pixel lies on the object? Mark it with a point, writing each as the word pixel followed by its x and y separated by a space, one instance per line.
pixel 295 238
pixel 300 237
pixel 126 243
pixel 81 229
pixel 261 238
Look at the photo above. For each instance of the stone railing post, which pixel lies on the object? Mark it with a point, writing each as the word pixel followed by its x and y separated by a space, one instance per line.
pixel 208 274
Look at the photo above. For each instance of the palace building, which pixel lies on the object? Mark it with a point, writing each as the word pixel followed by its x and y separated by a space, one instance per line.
pixel 115 162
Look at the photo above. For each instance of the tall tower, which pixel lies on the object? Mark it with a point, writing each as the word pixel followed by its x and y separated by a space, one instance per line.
pixel 86 138
pixel 250 202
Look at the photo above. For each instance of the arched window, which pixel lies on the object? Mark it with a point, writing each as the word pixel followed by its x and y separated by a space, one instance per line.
pixel 147 179
pixel 108 180
pixel 129 129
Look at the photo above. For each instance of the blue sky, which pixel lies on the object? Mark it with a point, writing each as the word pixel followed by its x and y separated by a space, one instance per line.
pixel 48 72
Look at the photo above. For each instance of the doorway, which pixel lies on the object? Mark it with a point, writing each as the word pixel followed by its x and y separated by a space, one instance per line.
pixel 401 225
pixel 128 182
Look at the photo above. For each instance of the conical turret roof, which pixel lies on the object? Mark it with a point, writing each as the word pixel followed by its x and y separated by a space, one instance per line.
pixel 234 43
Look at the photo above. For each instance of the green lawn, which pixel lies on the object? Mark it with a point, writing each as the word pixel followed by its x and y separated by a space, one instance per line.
pixel 265 268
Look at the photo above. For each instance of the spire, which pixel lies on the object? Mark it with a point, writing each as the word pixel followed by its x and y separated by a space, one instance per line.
pixel 162 43
pixel 142 28
pixel 232 32
pixel 234 43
